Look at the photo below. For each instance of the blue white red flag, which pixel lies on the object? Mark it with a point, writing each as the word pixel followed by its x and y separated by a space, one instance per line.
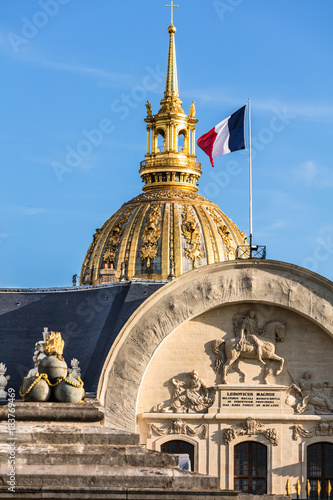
pixel 226 137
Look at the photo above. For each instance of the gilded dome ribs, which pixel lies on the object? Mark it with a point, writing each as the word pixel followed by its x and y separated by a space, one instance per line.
pixel 171 243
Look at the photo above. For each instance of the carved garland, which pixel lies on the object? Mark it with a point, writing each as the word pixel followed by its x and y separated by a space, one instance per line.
pixel 150 235
pixel 178 426
pixel 191 233
pixel 323 428
pixel 251 428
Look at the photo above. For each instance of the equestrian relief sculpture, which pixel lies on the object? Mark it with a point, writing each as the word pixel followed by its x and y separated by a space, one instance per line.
pixel 249 342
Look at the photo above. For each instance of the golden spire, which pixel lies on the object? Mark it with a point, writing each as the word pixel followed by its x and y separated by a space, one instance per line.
pixel 171 85
pixel 170 160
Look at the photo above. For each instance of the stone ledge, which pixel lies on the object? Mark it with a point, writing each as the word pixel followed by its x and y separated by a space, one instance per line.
pixel 119 494
pixel 55 412
pixel 35 434
pixel 90 478
pixel 120 456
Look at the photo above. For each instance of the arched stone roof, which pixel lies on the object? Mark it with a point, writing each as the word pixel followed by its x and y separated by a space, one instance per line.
pixel 265 282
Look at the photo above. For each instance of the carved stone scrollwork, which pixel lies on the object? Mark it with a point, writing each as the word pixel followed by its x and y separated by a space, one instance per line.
pixel 323 428
pixel 251 427
pixel 150 235
pixel 191 233
pixel 193 396
pixel 178 426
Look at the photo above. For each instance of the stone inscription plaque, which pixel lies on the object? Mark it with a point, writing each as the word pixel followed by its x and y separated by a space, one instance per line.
pixel 250 399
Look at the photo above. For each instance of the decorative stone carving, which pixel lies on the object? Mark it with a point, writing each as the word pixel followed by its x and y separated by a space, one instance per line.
pixel 122 368
pixel 250 342
pixel 39 354
pixel 191 233
pixel 323 428
pixel 150 235
pixel 310 396
pixel 251 427
pixel 75 371
pixel 178 426
pixel 51 376
pixel 3 381
pixel 193 396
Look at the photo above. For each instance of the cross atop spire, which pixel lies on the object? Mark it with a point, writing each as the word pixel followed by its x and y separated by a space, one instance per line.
pixel 172 7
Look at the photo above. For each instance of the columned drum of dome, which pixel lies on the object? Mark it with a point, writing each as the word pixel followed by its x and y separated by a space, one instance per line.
pixel 169 229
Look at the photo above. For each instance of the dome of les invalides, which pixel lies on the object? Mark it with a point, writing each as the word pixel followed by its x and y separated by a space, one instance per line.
pixel 169 229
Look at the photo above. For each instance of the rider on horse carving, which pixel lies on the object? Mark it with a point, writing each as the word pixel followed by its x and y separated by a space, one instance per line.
pixel 247 330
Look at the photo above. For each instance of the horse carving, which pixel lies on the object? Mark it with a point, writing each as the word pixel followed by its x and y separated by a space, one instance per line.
pixel 250 342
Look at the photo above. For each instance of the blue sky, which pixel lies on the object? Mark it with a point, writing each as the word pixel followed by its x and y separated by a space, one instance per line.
pixel 73 66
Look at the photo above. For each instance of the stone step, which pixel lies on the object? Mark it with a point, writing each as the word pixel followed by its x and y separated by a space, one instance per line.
pixel 69 434
pixel 88 411
pixel 76 477
pixel 123 494
pixel 103 455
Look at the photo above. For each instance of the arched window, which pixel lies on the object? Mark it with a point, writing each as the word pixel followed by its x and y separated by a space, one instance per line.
pixel 251 468
pixel 320 468
pixel 160 140
pixel 181 141
pixel 178 446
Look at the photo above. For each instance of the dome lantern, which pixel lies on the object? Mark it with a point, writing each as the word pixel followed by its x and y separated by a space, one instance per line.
pixel 170 160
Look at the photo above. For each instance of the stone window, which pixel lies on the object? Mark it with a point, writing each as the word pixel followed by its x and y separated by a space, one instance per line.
pixel 178 446
pixel 250 468
pixel 320 468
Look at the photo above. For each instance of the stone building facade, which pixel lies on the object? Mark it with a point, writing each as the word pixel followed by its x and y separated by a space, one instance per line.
pixel 169 358
pixel 226 360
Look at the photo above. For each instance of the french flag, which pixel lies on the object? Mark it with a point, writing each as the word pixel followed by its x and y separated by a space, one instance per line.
pixel 226 137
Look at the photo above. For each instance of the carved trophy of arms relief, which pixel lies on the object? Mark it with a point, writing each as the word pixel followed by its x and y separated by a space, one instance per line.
pixel 310 396
pixel 192 396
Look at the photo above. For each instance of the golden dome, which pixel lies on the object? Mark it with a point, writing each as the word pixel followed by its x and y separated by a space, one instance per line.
pixel 158 235
pixel 169 229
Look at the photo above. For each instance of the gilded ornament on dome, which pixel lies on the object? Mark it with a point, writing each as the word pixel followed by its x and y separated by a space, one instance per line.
pixel 112 249
pixel 150 235
pixel 171 106
pixel 191 232
pixel 148 106
pixel 223 230
pixel 243 235
pixel 192 110
pixel 91 248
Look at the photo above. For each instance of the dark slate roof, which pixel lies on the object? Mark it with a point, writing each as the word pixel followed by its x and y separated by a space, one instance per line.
pixel 89 319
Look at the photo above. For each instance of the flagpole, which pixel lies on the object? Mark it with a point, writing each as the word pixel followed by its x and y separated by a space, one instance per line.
pixel 250 179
